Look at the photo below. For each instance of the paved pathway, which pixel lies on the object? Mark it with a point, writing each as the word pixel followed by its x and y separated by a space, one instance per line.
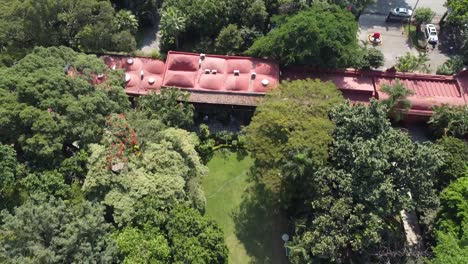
pixel 151 39
pixel 384 6
pixel 395 43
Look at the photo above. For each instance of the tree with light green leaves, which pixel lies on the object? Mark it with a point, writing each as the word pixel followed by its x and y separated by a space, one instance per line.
pixel 173 23
pixel 412 63
pixel 452 224
pixel 422 15
pixel 147 245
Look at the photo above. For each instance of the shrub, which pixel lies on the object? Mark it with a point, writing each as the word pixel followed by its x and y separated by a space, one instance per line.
pixel 450 121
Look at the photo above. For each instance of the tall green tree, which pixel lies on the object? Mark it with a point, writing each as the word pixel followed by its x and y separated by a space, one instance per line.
pixel 195 239
pixel 229 40
pixel 173 23
pixel 291 125
pixel 147 245
pixel 170 106
pixel 422 15
pixel 86 25
pixel 449 121
pixel 50 230
pixel 318 36
pixel 50 106
pixel 452 225
pixel 354 200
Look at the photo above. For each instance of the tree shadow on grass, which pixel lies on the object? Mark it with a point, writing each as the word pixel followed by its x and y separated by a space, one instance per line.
pixel 259 226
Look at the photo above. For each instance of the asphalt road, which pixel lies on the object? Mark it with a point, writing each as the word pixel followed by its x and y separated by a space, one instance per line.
pixel 384 6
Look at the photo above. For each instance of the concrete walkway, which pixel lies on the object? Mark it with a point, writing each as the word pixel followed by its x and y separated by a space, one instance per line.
pixel 151 39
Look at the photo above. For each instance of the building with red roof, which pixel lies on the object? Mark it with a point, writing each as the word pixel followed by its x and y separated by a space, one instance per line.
pixel 243 81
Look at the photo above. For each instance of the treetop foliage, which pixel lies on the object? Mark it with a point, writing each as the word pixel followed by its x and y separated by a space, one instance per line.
pixel 45 110
pixel 318 36
pixel 47 229
pixel 291 124
pixel 87 25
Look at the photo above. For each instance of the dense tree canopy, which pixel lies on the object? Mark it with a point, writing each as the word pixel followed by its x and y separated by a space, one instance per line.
pixel 150 181
pixel 194 238
pixel 319 36
pixel 452 225
pixel 450 121
pixel 354 200
pixel 291 129
pixel 87 25
pixel 45 110
pixel 49 230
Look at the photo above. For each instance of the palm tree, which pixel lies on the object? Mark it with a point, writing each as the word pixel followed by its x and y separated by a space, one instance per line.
pixel 397 101
pixel 412 63
pixel 173 22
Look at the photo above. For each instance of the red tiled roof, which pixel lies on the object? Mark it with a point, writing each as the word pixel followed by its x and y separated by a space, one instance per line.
pixel 212 79
pixel 142 75
pixel 429 90
pixel 220 73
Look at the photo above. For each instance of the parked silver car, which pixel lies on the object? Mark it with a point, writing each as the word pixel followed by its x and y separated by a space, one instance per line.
pixel 401 12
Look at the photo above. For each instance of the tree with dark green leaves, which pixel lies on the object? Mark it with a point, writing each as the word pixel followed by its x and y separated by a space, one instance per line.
pixel 229 40
pixel 289 128
pixel 456 161
pixel 195 239
pixel 449 121
pixel 50 106
pixel 87 25
pixel 374 172
pixel 318 36
pixel 50 230
pixel 170 106
pixel 372 58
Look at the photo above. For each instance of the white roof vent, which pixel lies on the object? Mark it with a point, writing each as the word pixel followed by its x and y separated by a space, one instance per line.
pixel 127 77
pixel 142 74
pixel 199 63
pixel 207 71
pixel 130 61
pixel 100 76
pixel 214 71
pixel 254 74
pixel 151 80
pixel 236 72
pixel 202 56
pixel 265 82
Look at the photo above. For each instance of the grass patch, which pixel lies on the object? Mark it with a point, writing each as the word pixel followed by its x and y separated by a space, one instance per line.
pixel 252 230
pixel 417 38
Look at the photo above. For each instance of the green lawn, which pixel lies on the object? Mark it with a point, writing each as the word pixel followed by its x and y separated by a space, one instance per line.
pixel 252 231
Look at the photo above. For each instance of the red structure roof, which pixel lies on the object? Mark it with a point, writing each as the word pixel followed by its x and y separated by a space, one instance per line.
pixel 204 72
pixel 234 80
pixel 142 75
pixel 428 90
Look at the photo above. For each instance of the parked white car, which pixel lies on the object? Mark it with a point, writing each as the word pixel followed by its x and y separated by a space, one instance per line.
pixel 431 34
pixel 401 12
